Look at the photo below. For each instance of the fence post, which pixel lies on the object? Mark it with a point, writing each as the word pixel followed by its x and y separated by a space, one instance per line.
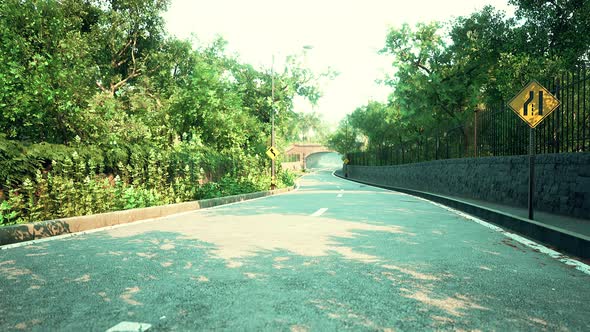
pixel 436 146
pixel 463 143
pixel 447 139
pixel 475 133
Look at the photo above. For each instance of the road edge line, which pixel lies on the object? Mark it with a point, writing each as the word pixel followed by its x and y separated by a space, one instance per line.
pixel 563 258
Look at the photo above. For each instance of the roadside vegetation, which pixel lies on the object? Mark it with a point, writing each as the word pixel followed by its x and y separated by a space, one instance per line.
pixel 101 110
pixel 443 72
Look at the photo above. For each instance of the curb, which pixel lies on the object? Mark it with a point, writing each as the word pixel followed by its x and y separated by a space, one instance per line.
pixel 569 242
pixel 48 228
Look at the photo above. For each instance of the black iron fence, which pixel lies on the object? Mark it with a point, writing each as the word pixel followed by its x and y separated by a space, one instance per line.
pixel 497 131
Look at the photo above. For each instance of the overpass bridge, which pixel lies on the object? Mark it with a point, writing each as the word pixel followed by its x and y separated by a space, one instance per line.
pixel 297 154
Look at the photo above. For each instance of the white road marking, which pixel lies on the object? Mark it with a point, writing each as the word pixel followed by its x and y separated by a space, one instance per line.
pixel 531 244
pixel 319 212
pixel 339 195
pixel 130 327
pixel 585 268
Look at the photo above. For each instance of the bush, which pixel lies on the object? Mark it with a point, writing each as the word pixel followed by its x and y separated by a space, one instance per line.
pixel 74 182
pixel 8 215
pixel 287 178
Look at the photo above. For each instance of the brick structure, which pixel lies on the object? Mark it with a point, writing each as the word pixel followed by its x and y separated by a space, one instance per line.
pixel 303 150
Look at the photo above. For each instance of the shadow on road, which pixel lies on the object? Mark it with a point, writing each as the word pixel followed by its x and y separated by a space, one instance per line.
pixel 20 233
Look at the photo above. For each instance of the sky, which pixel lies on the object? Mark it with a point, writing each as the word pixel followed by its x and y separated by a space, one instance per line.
pixel 341 34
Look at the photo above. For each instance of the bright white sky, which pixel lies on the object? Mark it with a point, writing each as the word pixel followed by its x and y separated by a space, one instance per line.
pixel 345 35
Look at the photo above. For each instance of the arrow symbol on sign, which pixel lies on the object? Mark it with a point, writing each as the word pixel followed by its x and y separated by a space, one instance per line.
pixel 540 102
pixel 526 103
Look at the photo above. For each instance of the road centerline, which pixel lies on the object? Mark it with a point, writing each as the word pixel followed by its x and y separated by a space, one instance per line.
pixel 319 212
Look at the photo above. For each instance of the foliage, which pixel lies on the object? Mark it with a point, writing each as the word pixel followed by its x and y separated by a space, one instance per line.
pixel 305 127
pixel 101 111
pixel 346 137
pixel 287 178
pixel 444 72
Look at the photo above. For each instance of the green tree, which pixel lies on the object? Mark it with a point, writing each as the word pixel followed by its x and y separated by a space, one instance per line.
pixel 555 29
pixel 346 138
pixel 45 70
pixel 101 110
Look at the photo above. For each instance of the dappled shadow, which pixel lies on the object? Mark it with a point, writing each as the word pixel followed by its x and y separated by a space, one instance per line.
pixel 236 238
pixel 34 231
pixel 258 268
pixel 345 280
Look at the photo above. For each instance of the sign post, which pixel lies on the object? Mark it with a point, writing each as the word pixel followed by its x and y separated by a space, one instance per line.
pixel 531 171
pixel 272 153
pixel 273 167
pixel 533 104
pixel 346 161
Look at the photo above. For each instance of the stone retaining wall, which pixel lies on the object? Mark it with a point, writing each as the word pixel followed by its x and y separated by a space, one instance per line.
pixel 562 181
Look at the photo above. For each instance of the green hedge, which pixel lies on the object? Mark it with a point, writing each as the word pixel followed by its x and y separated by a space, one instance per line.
pixel 45 181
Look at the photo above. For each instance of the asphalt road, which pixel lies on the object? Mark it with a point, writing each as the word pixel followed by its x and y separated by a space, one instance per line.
pixel 333 255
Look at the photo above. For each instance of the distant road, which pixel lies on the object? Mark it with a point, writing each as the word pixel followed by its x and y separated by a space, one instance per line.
pixel 332 255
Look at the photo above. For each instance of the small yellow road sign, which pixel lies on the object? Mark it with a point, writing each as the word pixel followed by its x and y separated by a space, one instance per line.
pixel 346 161
pixel 272 152
pixel 533 103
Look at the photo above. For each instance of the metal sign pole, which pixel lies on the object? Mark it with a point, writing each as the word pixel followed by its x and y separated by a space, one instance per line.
pixel 546 104
pixel 531 170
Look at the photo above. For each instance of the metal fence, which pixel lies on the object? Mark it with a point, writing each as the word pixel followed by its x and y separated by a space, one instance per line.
pixel 498 131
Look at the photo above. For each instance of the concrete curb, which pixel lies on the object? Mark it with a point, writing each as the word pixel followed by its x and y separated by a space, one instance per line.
pixel 569 242
pixel 34 231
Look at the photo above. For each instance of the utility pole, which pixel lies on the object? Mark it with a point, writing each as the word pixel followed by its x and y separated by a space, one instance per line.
pixel 272 129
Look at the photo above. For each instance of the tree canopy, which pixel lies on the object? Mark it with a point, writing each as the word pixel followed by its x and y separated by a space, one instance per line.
pixel 442 72
pixel 97 88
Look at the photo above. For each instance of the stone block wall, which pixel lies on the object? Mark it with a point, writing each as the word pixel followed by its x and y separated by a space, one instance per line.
pixel 562 181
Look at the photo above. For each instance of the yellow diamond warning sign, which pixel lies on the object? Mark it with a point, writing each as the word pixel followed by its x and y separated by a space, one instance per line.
pixel 272 152
pixel 533 103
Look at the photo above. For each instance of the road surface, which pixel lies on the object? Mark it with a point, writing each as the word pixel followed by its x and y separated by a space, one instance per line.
pixel 333 255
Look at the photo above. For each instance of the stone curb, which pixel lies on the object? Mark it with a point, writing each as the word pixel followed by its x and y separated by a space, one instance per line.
pixel 34 231
pixel 569 242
